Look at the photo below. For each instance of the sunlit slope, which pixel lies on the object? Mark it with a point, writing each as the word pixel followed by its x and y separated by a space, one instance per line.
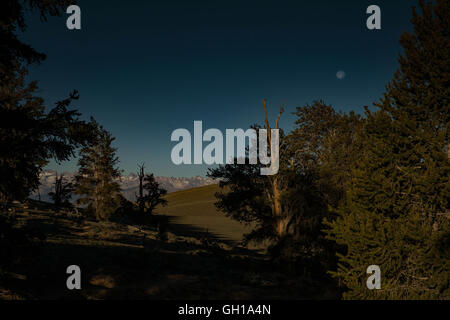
pixel 196 207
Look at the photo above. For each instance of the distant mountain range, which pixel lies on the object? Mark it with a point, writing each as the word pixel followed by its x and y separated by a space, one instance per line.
pixel 129 184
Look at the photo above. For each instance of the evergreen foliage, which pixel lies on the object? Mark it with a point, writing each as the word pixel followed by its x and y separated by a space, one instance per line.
pixel 325 147
pixel 96 180
pixel 396 211
pixel 152 195
pixel 30 136
pixel 12 20
pixel 62 192
pixel 294 234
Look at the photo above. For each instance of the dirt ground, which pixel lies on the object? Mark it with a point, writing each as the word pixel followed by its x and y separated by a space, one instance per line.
pixel 123 261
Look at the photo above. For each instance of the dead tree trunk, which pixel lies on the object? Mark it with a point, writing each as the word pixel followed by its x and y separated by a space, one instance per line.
pixel 274 183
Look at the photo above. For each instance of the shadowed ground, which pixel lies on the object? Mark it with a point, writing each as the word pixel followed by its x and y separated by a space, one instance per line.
pixel 121 261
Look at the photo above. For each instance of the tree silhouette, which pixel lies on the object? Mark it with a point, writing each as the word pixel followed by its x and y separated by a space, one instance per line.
pixel 62 191
pixel 394 214
pixel 287 209
pixel 96 180
pixel 153 195
pixel 30 136
pixel 12 17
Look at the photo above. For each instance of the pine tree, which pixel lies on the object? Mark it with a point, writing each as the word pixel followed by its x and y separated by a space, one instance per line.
pixel 12 20
pixel 152 195
pixel 63 191
pixel 249 197
pixel 285 209
pixel 96 181
pixel 325 146
pixel 395 211
pixel 30 137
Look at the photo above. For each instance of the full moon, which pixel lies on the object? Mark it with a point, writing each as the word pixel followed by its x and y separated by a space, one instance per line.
pixel 340 75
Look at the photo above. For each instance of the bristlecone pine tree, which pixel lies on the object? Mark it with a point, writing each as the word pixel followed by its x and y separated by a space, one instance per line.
pixel 13 24
pixel 96 179
pixel 285 209
pixel 396 213
pixel 63 191
pixel 30 136
pixel 151 195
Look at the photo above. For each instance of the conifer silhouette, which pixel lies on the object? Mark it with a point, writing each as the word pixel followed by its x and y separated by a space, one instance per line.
pixel 96 180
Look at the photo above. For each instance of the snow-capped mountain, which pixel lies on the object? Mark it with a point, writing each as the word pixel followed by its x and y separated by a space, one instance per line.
pixel 129 184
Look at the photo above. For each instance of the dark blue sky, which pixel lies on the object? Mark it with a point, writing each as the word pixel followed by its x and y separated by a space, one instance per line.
pixel 144 69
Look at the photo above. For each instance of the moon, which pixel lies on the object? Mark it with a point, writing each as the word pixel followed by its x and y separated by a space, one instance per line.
pixel 340 75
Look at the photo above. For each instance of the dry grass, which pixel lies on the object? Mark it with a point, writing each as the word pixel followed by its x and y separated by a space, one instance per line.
pixel 120 261
pixel 196 207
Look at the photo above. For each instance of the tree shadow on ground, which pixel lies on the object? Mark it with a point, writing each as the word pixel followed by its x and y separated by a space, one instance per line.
pixel 126 262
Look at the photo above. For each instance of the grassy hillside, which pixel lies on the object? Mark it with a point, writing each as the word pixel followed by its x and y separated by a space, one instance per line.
pixel 195 207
